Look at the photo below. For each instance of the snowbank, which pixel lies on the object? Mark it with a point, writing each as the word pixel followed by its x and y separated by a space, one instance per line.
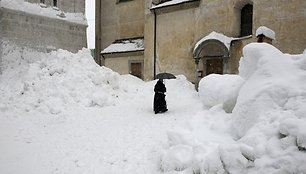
pixel 265 133
pixel 217 89
pixel 52 82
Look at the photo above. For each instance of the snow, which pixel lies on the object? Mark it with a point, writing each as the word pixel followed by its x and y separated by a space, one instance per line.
pixel 215 36
pixel 220 89
pixel 125 46
pixel 62 113
pixel 169 3
pixel 266 32
pixel 43 10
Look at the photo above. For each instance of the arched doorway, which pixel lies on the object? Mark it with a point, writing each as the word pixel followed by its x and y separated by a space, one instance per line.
pixel 211 57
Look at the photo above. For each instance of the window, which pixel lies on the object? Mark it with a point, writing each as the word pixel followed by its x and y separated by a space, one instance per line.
pixel 55 3
pixel 246 20
pixel 42 1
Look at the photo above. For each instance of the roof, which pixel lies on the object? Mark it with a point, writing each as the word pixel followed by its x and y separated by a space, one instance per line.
pixel 216 36
pixel 125 45
pixel 170 3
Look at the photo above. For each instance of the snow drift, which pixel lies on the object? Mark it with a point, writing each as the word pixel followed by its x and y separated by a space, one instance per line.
pixel 53 112
pixel 265 133
pixel 52 82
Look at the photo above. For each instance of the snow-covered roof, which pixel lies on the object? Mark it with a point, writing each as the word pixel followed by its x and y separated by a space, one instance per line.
pixel 125 45
pixel 266 32
pixel 43 10
pixel 216 36
pixel 169 3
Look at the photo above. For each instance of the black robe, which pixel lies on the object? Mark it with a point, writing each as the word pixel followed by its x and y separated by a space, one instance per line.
pixel 159 97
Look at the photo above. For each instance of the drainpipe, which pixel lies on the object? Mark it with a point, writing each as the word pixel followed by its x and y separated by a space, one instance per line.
pixel 98 34
pixel 154 64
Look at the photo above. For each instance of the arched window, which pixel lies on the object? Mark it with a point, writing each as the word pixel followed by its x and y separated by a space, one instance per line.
pixel 246 20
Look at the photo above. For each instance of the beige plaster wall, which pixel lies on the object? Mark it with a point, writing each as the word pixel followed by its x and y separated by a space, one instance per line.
pixel 121 64
pixel 121 20
pixel 287 19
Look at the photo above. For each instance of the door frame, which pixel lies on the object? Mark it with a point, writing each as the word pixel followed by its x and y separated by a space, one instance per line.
pixel 136 61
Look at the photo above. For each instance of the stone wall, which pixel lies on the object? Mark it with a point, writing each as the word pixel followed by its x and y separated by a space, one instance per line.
pixel 120 64
pixel 41 33
pixel 71 6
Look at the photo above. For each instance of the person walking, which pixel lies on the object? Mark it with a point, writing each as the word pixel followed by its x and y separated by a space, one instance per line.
pixel 160 104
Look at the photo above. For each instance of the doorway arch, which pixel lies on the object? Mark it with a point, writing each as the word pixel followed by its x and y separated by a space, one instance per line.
pixel 211 57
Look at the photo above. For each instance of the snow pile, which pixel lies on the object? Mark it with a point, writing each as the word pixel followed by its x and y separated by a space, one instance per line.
pixel 217 89
pixel 43 10
pixel 265 133
pixel 52 82
pixel 270 114
pixel 263 30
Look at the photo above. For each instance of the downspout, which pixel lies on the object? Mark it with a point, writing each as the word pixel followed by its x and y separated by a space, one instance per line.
pixel 98 34
pixel 154 64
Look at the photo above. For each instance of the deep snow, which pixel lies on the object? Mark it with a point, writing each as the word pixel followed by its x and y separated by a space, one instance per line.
pixel 62 113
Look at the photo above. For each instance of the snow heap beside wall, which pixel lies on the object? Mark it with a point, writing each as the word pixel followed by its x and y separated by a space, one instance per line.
pixel 55 81
pixel 266 131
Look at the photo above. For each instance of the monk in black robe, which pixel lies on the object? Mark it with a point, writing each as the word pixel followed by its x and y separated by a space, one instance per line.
pixel 160 105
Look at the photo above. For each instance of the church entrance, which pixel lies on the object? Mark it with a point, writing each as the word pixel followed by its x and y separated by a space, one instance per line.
pixel 211 57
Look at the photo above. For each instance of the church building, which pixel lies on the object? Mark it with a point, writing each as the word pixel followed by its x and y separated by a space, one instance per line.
pixel 192 37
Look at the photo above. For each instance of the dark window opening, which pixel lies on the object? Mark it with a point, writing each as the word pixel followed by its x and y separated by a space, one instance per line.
pixel 42 1
pixel 55 3
pixel 246 20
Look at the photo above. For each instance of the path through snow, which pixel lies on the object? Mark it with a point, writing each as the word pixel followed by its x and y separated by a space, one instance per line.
pixel 126 138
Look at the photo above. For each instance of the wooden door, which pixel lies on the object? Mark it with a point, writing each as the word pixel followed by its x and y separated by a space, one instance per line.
pixel 136 68
pixel 214 66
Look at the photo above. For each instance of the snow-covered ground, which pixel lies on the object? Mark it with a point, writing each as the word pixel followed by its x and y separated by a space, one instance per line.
pixel 62 113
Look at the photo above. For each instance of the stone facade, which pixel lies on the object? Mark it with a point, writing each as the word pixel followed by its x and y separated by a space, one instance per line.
pixel 44 33
pixel 171 32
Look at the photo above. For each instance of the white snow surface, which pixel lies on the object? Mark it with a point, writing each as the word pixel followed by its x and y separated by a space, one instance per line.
pixel 43 10
pixel 62 113
pixel 265 31
pixel 168 3
pixel 125 46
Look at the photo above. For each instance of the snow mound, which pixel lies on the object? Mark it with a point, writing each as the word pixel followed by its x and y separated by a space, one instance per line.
pixel 265 31
pixel 54 81
pixel 265 133
pixel 217 89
